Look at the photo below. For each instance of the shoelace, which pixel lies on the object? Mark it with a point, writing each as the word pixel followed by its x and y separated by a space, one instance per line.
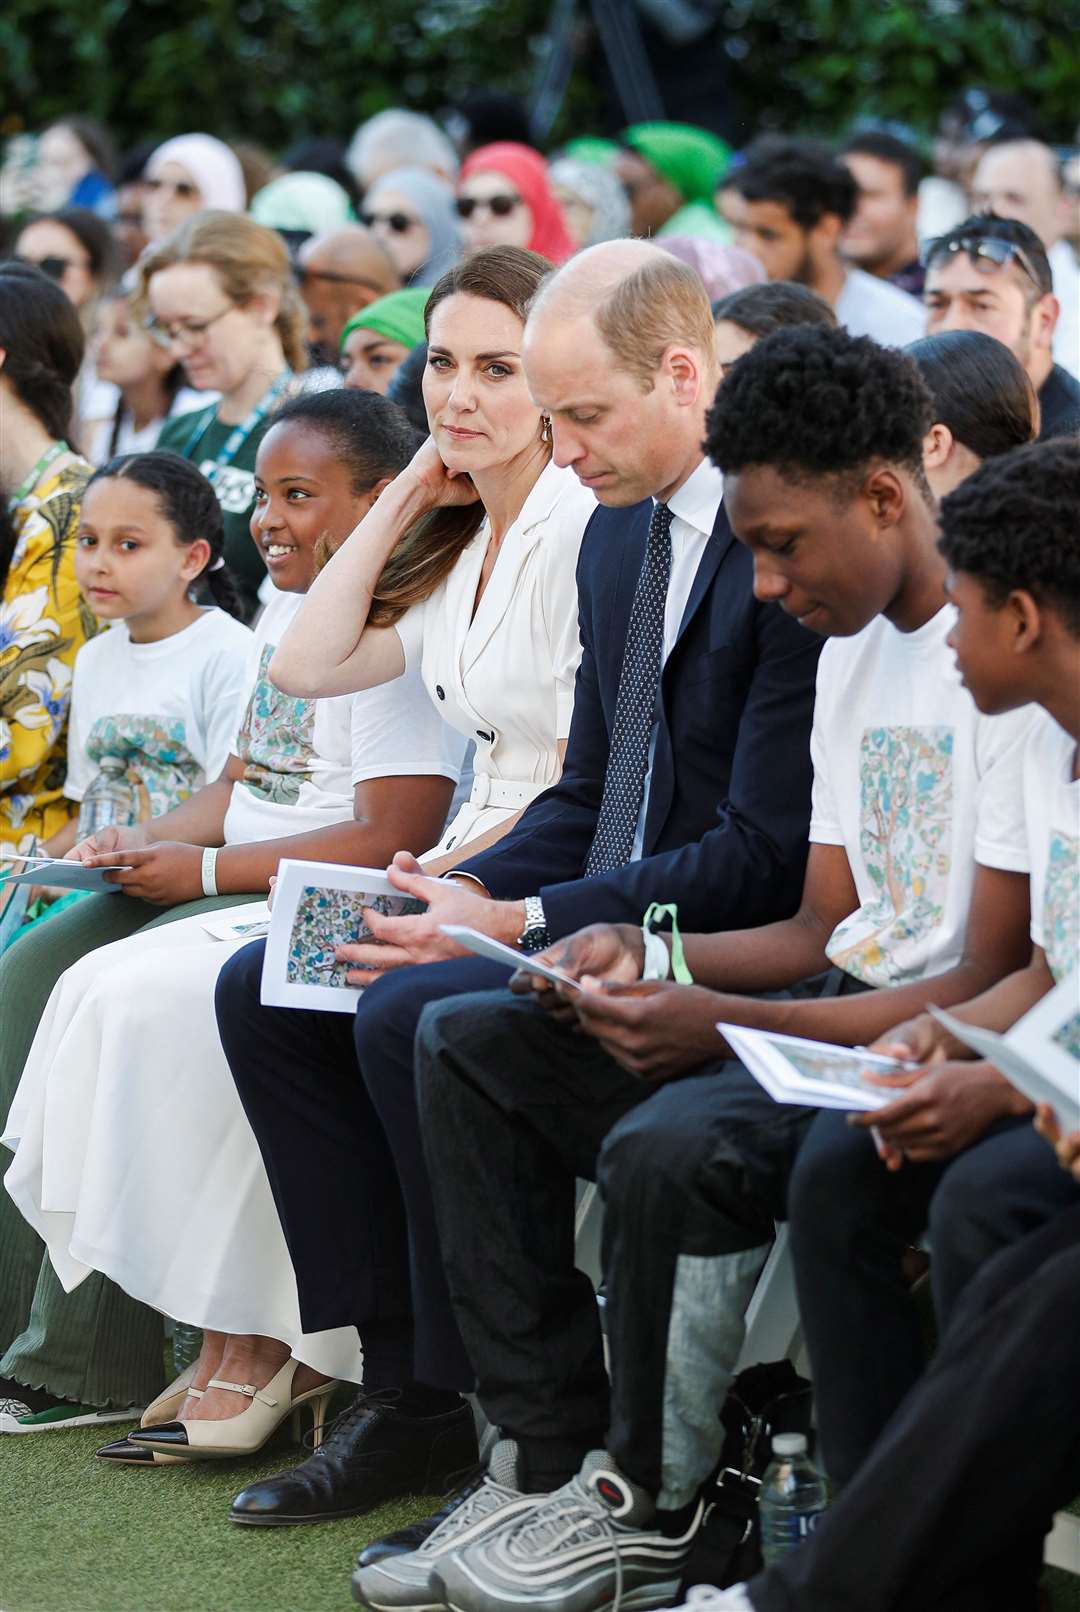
pixel 571 1515
pixel 469 1505
pixel 345 1421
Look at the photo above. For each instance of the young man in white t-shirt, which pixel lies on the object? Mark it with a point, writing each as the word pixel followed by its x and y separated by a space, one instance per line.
pixel 916 887
pixel 1011 537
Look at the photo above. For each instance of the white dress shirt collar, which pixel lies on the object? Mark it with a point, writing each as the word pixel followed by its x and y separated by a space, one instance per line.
pixel 698 500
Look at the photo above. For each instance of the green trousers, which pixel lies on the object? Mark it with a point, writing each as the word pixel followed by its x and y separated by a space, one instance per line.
pixel 96 1345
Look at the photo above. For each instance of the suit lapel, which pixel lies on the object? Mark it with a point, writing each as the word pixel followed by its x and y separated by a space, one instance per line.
pixel 717 546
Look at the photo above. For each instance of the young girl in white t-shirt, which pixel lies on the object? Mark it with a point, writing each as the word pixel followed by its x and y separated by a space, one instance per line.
pixel 155 698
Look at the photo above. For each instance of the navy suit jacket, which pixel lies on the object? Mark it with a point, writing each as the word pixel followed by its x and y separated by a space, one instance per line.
pixel 729 798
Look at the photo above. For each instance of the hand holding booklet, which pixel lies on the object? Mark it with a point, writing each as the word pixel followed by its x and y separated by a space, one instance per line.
pixel 319 906
pixel 814 1074
pixel 1040 1055
pixel 64 875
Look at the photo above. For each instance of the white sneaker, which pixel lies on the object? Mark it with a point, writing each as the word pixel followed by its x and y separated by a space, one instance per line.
pixel 397 1583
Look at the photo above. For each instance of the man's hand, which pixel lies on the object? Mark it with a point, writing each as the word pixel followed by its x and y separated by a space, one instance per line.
pixel 921 1040
pixel 1067 1148
pixel 942 1111
pixel 165 873
pixel 418 939
pixel 108 840
pixel 614 953
pixel 655 1028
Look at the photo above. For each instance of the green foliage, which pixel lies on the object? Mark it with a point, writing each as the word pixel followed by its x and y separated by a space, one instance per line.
pixel 819 64
pixel 270 70
pixel 273 70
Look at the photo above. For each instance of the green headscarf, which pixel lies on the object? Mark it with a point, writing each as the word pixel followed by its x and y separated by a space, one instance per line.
pixel 692 160
pixel 398 316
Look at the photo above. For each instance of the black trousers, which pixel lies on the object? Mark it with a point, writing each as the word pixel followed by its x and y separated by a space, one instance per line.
pixel 331 1101
pixel 514 1107
pixel 850 1222
pixel 949 1511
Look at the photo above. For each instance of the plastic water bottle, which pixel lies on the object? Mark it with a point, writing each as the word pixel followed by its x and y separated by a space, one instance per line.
pixel 186 1346
pixel 793 1497
pixel 110 800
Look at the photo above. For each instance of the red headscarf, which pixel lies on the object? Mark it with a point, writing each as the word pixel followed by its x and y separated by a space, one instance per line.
pixel 528 172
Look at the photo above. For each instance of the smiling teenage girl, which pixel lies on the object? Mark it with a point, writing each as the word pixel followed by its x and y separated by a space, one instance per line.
pixel 331 780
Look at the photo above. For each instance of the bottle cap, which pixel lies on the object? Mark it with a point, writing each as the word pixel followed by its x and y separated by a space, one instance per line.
pixel 789 1444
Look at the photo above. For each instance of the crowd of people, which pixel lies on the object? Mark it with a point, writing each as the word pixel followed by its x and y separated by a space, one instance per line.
pixel 664 561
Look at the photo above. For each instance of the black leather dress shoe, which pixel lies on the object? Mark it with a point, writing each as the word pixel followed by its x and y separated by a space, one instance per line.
pixel 371 1453
pixel 404 1540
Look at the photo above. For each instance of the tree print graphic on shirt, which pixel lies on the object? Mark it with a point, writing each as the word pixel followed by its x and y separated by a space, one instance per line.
pixel 1061 904
pixel 905 836
pixel 158 765
pixel 275 741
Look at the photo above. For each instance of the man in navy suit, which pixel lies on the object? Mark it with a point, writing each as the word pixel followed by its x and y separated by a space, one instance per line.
pixel 686 779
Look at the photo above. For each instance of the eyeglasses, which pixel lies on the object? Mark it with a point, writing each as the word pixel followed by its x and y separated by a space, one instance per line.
pixel 186 333
pixel 54 267
pixel 400 223
pixel 179 187
pixel 987 253
pixel 499 206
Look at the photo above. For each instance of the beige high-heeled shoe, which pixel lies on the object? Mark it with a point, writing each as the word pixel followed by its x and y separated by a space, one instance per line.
pixel 246 1433
pixel 160 1410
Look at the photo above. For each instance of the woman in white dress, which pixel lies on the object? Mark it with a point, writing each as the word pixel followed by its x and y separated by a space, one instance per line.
pixel 479 594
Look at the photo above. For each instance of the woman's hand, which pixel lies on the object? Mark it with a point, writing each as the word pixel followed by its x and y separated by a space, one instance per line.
pixel 441 487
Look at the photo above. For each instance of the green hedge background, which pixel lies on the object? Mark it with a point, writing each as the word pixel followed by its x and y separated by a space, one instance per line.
pixel 272 70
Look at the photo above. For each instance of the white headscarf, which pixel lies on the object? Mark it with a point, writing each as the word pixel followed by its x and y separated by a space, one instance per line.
pixel 214 168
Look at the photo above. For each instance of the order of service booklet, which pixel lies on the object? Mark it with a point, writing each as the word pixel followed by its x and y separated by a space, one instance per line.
pixel 319 906
pixel 1040 1055
pixel 813 1073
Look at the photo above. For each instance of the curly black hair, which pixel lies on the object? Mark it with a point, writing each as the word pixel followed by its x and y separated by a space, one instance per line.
pixel 1015 523
pixel 802 175
pixel 815 402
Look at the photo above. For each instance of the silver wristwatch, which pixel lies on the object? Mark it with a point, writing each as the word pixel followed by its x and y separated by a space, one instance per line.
pixel 534 937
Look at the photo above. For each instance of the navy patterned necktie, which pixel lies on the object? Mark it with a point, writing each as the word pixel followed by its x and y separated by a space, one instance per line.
pixel 635 707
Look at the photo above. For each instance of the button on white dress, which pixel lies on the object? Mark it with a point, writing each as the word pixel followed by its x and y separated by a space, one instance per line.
pixel 504 677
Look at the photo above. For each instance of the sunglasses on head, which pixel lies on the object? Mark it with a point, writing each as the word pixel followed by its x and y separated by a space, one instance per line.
pixel 500 206
pixel 987 254
pixel 400 223
pixel 54 267
pixel 180 187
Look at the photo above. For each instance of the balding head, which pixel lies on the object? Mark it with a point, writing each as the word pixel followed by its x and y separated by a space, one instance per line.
pixel 620 351
pixel 1022 179
pixel 340 273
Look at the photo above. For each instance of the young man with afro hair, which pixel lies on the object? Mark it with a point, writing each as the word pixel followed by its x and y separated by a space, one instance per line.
pixel 916 892
pixel 1003 1394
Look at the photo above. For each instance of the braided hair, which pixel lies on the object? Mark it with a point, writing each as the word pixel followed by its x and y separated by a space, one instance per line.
pixel 190 506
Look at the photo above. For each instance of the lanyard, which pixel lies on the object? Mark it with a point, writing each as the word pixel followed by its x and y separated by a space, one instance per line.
pixel 29 482
pixel 239 433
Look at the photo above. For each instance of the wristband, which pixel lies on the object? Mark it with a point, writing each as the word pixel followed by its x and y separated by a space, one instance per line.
pixel 677 961
pixel 657 957
pixel 209 865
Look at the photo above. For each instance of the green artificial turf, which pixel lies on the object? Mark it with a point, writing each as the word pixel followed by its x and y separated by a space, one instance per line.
pixel 79 1536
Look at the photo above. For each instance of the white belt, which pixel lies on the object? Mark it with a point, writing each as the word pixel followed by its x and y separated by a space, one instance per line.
pixel 503 791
